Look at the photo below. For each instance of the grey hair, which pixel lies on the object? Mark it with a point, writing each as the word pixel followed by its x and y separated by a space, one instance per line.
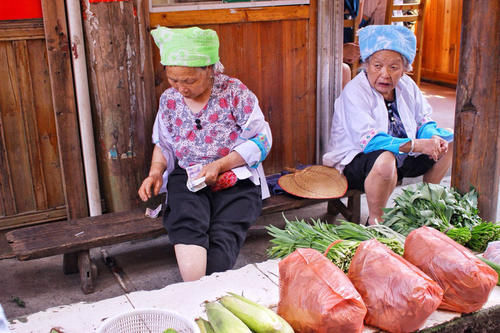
pixel 407 67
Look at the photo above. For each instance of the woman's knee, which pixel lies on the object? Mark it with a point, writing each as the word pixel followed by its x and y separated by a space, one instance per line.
pixel 385 166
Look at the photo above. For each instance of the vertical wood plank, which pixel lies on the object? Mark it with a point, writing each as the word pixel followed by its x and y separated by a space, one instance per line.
pixel 441 40
pixel 28 112
pixel 273 92
pixel 63 98
pixel 145 87
pixel 15 140
pixel 311 80
pixel 477 120
pixel 7 203
pixel 46 124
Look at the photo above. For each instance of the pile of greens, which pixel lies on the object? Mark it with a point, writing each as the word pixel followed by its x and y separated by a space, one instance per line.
pixel 320 235
pixel 444 209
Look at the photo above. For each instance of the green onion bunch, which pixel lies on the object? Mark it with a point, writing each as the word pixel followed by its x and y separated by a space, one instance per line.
pixel 320 235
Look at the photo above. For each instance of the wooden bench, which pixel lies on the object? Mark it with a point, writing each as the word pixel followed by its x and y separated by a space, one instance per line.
pixel 75 238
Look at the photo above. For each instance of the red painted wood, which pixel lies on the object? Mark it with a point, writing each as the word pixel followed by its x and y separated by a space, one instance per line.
pixel 20 9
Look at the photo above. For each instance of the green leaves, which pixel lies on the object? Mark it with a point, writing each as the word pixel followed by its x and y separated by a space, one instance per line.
pixel 444 209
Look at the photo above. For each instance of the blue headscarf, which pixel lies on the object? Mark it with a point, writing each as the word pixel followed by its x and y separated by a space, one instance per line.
pixel 397 38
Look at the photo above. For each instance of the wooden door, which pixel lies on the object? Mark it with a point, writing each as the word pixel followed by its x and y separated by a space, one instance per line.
pixel 441 49
pixel 31 186
pixel 273 51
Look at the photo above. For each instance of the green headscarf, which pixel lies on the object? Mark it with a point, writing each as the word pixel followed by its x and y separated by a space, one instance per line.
pixel 190 47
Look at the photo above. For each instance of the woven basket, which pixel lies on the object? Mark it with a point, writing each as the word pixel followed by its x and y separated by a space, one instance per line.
pixel 148 320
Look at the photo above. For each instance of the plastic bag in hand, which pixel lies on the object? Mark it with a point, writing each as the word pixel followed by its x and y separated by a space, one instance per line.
pixel 465 279
pixel 492 252
pixel 316 296
pixel 398 296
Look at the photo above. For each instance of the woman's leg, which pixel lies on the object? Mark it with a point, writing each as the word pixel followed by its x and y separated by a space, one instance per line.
pixel 437 172
pixel 187 220
pixel 192 261
pixel 346 74
pixel 379 185
pixel 234 210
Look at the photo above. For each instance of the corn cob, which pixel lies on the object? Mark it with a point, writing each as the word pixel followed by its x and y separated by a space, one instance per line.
pixel 223 320
pixel 257 317
pixel 204 326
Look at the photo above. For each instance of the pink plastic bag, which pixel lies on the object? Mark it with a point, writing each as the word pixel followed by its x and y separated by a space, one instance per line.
pixel 465 279
pixel 399 297
pixel 492 252
pixel 316 296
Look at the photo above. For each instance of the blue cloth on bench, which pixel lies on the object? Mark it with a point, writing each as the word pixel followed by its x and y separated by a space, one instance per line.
pixel 272 180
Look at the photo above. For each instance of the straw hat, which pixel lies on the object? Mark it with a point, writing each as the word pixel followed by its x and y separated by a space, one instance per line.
pixel 315 182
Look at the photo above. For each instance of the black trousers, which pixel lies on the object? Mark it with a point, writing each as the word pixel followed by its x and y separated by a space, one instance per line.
pixel 217 221
pixel 359 168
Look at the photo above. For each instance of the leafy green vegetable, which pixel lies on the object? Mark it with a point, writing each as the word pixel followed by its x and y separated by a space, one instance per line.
pixel 481 235
pixel 444 209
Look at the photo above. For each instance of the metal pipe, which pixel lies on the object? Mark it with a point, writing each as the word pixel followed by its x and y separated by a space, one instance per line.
pixel 83 102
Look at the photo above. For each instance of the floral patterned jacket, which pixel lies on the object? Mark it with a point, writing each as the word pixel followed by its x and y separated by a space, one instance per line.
pixel 231 120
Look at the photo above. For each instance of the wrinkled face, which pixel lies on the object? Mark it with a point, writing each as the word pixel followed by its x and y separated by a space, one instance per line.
pixel 384 69
pixel 191 82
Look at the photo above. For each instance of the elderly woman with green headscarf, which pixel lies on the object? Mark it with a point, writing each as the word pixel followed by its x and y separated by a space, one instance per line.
pixel 211 138
pixel 381 127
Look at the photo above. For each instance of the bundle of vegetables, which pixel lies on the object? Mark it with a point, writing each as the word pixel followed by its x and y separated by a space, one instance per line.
pixel 320 236
pixel 443 209
pixel 234 313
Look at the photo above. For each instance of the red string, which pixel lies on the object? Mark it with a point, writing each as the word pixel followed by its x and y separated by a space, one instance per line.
pixel 331 245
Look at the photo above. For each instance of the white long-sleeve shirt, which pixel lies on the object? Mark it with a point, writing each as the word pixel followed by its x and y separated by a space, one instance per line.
pixel 360 114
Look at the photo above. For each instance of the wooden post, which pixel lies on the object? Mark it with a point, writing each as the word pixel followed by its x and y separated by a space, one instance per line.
pixel 63 98
pixel 122 91
pixel 329 72
pixel 477 116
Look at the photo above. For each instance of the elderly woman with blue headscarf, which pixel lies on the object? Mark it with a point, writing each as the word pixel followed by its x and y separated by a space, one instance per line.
pixel 211 138
pixel 381 128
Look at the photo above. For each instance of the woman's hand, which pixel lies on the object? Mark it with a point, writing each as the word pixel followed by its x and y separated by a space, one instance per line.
pixel 435 147
pixel 210 171
pixel 154 181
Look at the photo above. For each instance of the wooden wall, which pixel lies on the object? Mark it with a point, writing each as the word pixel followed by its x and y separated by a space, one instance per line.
pixel 441 49
pixel 273 51
pixel 31 186
pixel 120 74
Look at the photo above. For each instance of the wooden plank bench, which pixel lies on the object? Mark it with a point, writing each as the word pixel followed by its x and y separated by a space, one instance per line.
pixel 75 238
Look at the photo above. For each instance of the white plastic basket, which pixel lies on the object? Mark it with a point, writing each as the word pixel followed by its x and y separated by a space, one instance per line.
pixel 148 321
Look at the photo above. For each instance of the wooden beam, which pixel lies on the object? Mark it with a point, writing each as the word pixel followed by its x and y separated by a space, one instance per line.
pixel 235 15
pixel 24 219
pixel 63 98
pixel 477 116
pixel 21 29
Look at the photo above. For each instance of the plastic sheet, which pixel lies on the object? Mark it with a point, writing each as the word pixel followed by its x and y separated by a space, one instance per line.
pixel 316 296
pixel 492 252
pixel 465 279
pixel 398 296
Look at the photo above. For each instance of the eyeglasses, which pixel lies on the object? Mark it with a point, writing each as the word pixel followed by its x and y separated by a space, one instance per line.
pixel 198 124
